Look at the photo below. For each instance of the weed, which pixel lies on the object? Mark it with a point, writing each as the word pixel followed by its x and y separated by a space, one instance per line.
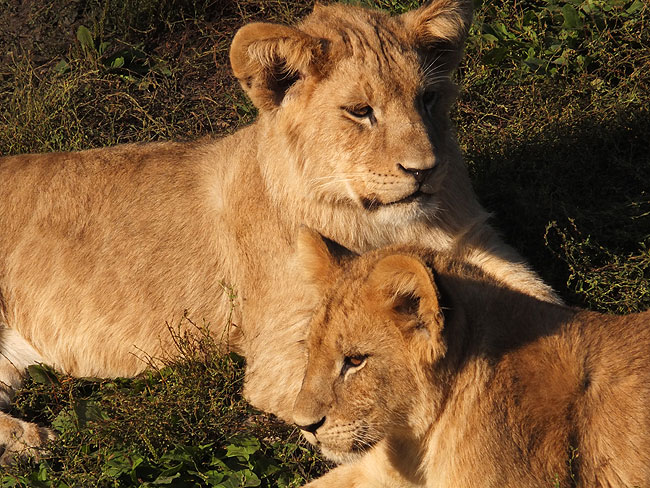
pixel 183 423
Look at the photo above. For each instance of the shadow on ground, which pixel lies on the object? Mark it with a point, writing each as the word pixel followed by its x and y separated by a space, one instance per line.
pixel 592 178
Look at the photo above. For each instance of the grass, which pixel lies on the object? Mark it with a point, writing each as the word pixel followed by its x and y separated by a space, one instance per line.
pixel 184 424
pixel 553 118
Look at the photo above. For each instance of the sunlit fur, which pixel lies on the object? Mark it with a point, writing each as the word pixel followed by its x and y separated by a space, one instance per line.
pixel 100 249
pixel 468 383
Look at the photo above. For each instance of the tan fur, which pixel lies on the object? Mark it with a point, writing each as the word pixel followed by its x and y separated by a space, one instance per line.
pixel 427 372
pixel 100 249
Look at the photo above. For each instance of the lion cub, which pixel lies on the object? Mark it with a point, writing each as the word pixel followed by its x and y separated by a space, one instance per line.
pixel 446 377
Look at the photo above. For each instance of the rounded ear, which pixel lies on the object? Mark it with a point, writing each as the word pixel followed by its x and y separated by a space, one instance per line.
pixel 440 28
pixel 268 59
pixel 315 260
pixel 406 286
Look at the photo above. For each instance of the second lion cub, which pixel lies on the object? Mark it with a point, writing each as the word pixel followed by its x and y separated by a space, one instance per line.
pixel 424 371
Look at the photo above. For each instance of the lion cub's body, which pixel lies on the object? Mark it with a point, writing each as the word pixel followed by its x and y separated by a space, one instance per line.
pixel 458 381
pixel 99 250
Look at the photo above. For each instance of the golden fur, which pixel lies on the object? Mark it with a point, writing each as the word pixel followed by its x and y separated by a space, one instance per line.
pixel 100 249
pixel 445 377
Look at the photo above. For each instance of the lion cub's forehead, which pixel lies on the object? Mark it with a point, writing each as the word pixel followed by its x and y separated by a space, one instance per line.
pixel 347 313
pixel 368 38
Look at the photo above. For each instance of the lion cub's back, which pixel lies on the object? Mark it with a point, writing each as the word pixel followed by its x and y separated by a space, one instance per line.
pixel 615 410
pixel 64 189
pixel 98 249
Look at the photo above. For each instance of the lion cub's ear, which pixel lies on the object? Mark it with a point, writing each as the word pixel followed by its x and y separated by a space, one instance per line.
pixel 268 59
pixel 439 29
pixel 317 264
pixel 407 287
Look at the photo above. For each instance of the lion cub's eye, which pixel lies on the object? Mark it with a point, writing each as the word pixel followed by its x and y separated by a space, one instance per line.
pixel 429 99
pixel 360 111
pixel 352 362
pixel 355 361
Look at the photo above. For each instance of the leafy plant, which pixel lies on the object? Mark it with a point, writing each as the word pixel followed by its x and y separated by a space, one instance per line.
pixel 183 424
pixel 558 36
pixel 393 6
pixel 128 60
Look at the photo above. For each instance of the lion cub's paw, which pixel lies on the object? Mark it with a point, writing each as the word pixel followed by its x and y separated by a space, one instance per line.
pixel 19 438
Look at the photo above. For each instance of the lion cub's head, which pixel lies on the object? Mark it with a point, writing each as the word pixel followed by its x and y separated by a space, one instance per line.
pixel 355 102
pixel 376 330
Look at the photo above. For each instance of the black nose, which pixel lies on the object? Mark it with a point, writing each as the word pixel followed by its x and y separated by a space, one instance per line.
pixel 419 174
pixel 312 428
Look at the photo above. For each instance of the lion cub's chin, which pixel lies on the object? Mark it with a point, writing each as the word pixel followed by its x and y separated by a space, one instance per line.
pixel 341 457
pixel 421 207
pixel 336 453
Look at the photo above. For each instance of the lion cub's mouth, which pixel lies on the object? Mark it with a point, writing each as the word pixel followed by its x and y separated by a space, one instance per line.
pixel 374 204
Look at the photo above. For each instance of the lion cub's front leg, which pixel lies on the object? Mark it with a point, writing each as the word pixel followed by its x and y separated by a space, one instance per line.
pixel 17 437
pixel 348 476
pixel 374 470
pixel 359 476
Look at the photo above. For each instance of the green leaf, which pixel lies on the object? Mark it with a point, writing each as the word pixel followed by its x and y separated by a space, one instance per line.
pixel 42 472
pixel 535 64
pixel 495 56
pixel 85 38
pixel 241 478
pixel 635 7
pixel 43 374
pixel 120 463
pixel 62 67
pixel 266 467
pixel 571 16
pixel 117 62
pixel 244 448
pixel 88 410
pixel 490 31
pixel 64 422
pixel 490 38
pixel 163 69
pixel 165 479
pixel 251 478
pixel 213 477
pixel 103 47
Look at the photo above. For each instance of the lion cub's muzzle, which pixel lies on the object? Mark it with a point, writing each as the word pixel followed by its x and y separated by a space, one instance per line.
pixel 430 184
pixel 414 185
pixel 424 175
pixel 420 174
pixel 310 427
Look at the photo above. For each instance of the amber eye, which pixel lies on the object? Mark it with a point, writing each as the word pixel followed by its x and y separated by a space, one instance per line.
pixel 351 362
pixel 360 111
pixel 355 360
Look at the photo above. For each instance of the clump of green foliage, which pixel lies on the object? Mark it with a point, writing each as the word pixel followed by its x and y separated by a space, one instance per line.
pixel 553 117
pixel 183 423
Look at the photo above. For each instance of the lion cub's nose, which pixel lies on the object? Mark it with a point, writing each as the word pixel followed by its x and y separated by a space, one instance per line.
pixel 311 428
pixel 419 174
